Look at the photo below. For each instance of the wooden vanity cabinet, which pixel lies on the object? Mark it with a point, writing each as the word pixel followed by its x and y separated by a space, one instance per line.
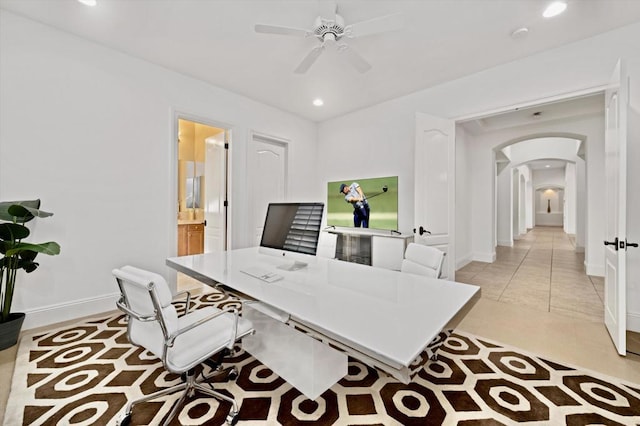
pixel 190 239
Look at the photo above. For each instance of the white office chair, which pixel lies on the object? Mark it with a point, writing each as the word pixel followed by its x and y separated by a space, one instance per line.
pixel 422 260
pixel 182 343
pixel 327 243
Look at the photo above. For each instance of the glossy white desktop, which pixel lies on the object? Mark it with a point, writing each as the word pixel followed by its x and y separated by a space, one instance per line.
pixel 382 317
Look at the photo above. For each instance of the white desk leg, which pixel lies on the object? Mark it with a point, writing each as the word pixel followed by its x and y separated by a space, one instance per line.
pixel 307 364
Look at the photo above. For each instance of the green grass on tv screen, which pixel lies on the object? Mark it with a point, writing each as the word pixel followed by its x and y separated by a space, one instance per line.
pixel 383 205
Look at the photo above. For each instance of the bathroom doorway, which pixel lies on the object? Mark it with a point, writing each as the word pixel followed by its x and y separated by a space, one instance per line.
pixel 202 203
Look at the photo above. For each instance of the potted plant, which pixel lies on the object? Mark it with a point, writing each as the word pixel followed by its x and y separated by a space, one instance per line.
pixel 16 254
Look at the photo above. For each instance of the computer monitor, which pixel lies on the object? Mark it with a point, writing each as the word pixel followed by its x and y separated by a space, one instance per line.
pixel 291 230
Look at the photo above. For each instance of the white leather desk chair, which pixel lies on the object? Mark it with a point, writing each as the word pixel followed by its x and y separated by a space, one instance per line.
pixel 422 260
pixel 182 343
pixel 327 243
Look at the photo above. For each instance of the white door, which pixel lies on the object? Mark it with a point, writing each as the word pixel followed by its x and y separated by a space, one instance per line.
pixel 268 166
pixel 616 101
pixel 435 187
pixel 215 189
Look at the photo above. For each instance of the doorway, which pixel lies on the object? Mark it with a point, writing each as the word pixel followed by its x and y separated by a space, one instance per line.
pixel 202 187
pixel 537 200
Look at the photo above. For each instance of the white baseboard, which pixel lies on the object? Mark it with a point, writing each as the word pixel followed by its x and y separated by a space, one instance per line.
pixel 461 263
pixel 47 315
pixel 633 321
pixel 485 257
pixel 505 243
pixel 594 270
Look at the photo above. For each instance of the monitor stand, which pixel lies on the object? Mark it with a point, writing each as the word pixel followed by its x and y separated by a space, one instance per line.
pixel 296 265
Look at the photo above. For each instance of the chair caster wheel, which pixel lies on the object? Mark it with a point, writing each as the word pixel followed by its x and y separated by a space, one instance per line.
pixel 232 418
pixel 125 420
pixel 233 374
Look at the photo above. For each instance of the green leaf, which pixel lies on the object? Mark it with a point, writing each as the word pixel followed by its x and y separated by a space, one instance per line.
pixel 10 231
pixel 28 255
pixel 5 205
pixel 28 266
pixel 50 248
pixel 22 211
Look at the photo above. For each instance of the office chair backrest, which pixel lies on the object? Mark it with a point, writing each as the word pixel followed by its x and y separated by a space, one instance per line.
pixel 148 297
pixel 327 245
pixel 422 260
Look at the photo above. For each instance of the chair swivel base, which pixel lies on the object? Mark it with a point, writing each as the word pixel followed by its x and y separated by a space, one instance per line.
pixel 189 388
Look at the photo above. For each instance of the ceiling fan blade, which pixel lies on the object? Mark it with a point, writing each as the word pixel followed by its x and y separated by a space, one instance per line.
pixel 309 59
pixel 274 29
pixel 376 25
pixel 358 62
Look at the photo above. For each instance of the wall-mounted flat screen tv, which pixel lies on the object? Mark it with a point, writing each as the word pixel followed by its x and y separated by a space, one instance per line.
pixel 379 211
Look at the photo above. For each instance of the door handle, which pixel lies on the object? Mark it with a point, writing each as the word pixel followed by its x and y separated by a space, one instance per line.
pixel 625 245
pixel 612 243
pixel 422 231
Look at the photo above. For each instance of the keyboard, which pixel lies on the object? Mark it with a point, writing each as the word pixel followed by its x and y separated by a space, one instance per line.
pixel 262 274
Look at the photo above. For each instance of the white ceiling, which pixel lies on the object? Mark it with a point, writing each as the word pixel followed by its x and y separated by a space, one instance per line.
pixel 542 164
pixel 215 41
pixel 584 106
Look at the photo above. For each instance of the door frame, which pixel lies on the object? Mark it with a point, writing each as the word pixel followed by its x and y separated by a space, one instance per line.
pixel 514 107
pixel 173 175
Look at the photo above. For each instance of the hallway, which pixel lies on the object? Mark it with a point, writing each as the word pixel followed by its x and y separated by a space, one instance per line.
pixel 541 271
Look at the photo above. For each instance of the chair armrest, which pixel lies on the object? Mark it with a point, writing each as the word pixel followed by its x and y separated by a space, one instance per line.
pixel 171 340
pixel 187 302
pixel 120 304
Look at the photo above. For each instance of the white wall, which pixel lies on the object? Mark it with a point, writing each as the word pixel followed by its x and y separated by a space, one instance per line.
pixel 464 254
pixel 526 172
pixel 91 132
pixel 504 195
pixel 570 192
pixel 549 177
pixel 385 132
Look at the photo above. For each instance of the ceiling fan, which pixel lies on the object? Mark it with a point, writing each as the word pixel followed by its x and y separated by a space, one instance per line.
pixel 334 32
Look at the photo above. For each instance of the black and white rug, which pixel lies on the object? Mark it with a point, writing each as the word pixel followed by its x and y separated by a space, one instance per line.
pixel 85 374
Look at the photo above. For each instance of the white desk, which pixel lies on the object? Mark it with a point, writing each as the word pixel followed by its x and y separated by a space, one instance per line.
pixel 384 318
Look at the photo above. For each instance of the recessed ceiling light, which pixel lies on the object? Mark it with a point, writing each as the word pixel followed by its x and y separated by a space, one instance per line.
pixel 547 166
pixel 318 102
pixel 89 2
pixel 554 9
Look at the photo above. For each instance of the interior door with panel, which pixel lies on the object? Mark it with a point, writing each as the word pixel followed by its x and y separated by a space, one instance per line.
pixel 268 166
pixel 616 100
pixel 435 187
pixel 215 206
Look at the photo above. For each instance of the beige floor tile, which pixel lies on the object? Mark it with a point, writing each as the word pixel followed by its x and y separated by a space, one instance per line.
pixel 530 282
pixel 526 296
pixel 474 267
pixel 464 277
pixel 548 279
pixel 563 338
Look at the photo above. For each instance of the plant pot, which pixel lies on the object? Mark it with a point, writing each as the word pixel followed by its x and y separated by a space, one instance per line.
pixel 10 330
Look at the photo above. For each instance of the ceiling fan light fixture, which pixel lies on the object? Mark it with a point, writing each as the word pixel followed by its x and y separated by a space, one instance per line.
pixel 318 102
pixel 555 9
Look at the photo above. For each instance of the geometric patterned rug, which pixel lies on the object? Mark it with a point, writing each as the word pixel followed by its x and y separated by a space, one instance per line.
pixel 86 373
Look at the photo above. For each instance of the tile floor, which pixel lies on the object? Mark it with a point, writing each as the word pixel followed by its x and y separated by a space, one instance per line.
pixel 541 271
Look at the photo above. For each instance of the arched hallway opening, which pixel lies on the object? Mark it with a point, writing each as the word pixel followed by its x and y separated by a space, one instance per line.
pixel 542 271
